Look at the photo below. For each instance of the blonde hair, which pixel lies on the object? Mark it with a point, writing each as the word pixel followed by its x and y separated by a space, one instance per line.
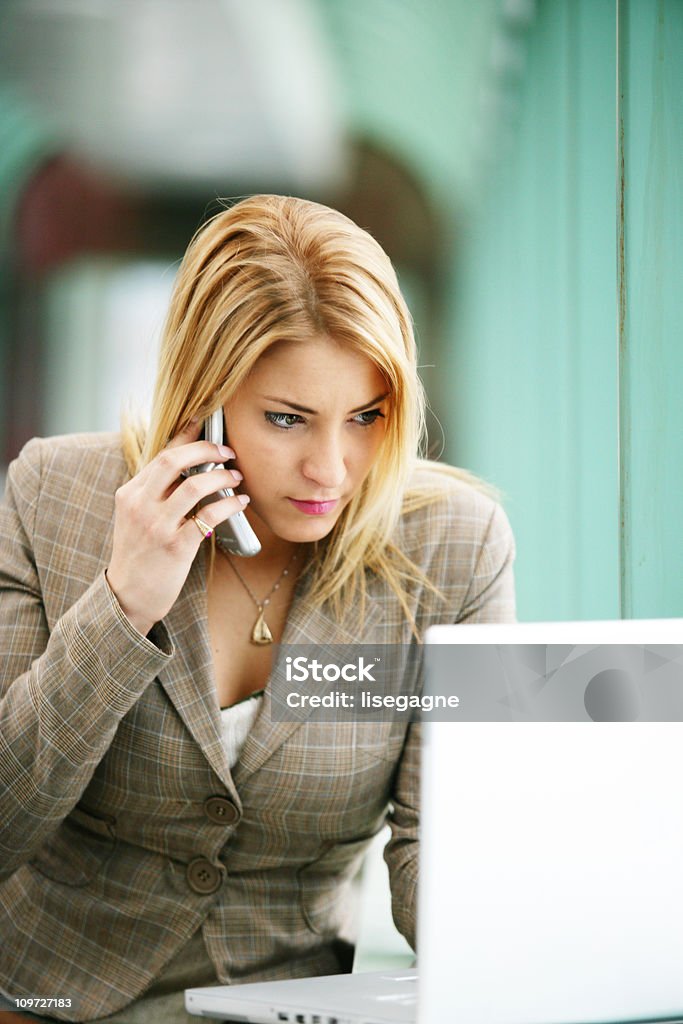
pixel 275 268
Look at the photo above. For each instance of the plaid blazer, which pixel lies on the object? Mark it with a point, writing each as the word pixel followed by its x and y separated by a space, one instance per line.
pixel 112 853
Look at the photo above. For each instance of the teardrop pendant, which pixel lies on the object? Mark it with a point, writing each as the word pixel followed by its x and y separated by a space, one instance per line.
pixel 260 634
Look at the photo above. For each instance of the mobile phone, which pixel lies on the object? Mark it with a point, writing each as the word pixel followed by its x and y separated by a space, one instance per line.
pixel 234 534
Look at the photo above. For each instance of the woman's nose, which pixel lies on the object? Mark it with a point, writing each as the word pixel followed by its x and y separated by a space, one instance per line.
pixel 325 466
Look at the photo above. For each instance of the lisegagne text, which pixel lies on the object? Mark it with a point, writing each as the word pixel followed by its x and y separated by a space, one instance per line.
pixel 397 702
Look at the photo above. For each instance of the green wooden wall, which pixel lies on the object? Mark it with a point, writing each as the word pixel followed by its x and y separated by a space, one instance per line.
pixel 570 318
pixel 650 359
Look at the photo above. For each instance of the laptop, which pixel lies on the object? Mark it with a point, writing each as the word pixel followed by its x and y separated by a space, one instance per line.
pixel 551 890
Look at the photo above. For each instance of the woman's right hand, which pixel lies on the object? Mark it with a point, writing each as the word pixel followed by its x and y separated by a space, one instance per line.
pixel 154 541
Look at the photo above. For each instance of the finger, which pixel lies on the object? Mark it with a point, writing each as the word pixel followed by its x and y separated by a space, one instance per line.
pixel 215 513
pixel 168 465
pixel 198 487
pixel 190 432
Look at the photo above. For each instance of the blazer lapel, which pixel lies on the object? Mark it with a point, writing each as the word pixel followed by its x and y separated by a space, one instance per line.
pixel 189 679
pixel 305 625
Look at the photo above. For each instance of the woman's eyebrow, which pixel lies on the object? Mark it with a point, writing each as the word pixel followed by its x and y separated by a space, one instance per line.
pixel 313 412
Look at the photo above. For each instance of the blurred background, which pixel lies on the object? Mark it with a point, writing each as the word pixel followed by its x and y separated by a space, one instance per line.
pixel 521 163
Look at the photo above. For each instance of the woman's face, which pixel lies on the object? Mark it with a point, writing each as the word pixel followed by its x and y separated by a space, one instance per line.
pixel 305 426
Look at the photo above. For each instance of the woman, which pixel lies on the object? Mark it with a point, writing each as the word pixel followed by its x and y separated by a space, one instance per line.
pixel 158 829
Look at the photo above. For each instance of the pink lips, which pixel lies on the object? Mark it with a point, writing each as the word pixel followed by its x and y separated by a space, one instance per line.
pixel 314 508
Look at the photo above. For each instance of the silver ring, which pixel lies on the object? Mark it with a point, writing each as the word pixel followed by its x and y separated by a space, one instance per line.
pixel 204 528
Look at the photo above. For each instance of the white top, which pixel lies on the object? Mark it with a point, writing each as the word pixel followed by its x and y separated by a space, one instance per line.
pixel 236 722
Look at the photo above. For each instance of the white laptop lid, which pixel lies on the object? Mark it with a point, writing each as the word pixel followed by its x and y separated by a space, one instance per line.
pixel 551 883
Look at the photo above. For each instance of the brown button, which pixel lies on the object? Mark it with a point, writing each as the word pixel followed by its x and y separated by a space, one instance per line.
pixel 202 876
pixel 221 811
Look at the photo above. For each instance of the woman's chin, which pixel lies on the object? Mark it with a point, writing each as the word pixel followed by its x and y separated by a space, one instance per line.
pixel 305 533
pixel 300 530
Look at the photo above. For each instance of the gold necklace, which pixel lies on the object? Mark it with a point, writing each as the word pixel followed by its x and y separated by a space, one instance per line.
pixel 260 634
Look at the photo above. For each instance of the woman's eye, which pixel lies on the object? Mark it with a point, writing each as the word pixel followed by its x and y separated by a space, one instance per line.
pixel 366 419
pixel 284 420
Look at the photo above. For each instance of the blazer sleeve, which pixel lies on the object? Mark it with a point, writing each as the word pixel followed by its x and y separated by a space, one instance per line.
pixel 62 692
pixel 490 597
pixel 401 852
